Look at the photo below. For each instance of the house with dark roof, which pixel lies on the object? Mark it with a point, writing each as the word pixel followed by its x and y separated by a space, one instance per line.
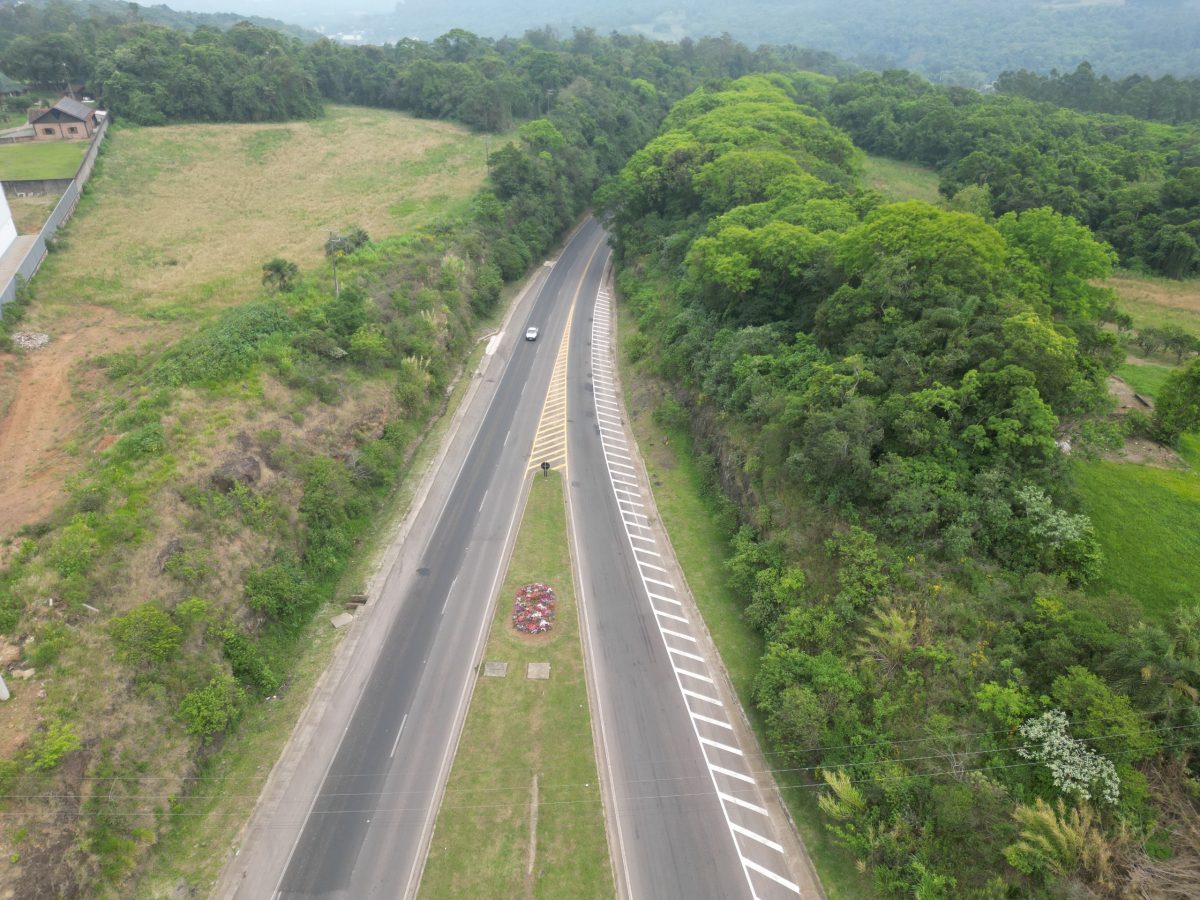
pixel 66 120
pixel 9 87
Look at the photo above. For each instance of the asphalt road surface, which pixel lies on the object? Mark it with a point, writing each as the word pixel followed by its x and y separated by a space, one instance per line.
pixel 375 748
pixel 690 816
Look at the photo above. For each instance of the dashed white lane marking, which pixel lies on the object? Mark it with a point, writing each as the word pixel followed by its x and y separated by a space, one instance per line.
pixel 671 616
pixel 396 743
pixel 674 627
pixel 763 870
pixel 725 747
pixel 664 599
pixel 711 721
pixel 677 634
pixel 755 836
pixel 731 773
pixel 685 654
pixel 744 804
pixel 715 702
pixel 690 674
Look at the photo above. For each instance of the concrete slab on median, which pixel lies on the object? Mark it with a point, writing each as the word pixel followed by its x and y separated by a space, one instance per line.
pixel 538 671
pixel 495 669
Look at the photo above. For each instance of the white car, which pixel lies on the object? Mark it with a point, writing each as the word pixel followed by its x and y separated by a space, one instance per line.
pixel 531 333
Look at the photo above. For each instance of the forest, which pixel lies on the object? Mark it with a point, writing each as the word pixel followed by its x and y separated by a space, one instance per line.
pixel 882 388
pixel 1136 184
pixel 1167 99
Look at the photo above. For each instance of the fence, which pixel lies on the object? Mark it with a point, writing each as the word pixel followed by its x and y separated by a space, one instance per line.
pixel 62 211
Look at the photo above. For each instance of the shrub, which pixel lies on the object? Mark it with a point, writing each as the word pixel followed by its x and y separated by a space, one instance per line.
pixel 225 349
pixel 75 548
pixel 281 592
pixel 212 709
pixel 246 659
pixel 47 748
pixel 145 636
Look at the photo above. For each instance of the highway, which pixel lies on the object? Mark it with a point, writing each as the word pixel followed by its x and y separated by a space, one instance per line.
pixel 349 809
pixel 375 746
pixel 690 815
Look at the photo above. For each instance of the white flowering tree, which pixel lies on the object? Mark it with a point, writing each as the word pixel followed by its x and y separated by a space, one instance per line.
pixel 1074 767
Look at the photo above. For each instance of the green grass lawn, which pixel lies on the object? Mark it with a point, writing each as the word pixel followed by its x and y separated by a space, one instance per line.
pixel 701 544
pixel 41 159
pixel 1145 379
pixel 898 180
pixel 517 729
pixel 1148 523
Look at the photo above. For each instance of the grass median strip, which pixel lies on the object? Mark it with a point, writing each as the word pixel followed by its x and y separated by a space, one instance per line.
pixel 522 815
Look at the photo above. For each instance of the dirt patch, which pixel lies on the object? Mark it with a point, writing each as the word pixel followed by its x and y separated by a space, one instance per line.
pixel 1140 450
pixel 40 418
pixel 1127 398
pixel 1146 452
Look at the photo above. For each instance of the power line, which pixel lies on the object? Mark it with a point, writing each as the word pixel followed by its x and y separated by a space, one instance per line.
pixel 376 811
pixel 642 781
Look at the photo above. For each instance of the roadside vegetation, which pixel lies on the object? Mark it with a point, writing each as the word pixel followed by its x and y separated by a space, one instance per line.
pixel 878 388
pixel 485 842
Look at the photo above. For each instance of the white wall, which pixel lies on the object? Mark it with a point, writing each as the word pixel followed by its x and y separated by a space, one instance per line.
pixel 8 231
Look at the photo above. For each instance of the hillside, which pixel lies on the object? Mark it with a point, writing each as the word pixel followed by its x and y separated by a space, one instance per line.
pixel 966 42
pixel 174 233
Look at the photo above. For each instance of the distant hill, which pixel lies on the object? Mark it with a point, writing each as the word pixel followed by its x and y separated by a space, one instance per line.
pixel 161 14
pixel 962 41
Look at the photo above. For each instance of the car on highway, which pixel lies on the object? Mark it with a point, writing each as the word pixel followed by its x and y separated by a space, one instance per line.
pixel 531 333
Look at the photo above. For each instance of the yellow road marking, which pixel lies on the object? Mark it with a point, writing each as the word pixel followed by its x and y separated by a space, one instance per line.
pixel 550 438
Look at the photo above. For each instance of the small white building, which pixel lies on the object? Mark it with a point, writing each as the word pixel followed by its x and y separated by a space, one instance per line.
pixel 8 231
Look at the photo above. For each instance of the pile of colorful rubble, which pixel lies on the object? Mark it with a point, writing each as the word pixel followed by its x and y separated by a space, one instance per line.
pixel 533 610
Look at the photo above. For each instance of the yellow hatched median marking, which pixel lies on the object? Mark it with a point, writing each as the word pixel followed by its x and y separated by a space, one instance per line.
pixel 550 439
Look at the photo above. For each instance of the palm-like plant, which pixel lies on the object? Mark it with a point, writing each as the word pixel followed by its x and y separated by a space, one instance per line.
pixel 280 274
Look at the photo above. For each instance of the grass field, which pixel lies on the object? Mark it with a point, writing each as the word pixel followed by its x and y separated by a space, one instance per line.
pixel 1146 378
pixel 1148 522
pixel 702 545
pixel 898 180
pixel 41 159
pixel 518 730
pixel 180 219
pixel 1159 301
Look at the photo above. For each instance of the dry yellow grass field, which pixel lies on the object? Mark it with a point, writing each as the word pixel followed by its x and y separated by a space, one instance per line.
pixel 1159 301
pixel 188 214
